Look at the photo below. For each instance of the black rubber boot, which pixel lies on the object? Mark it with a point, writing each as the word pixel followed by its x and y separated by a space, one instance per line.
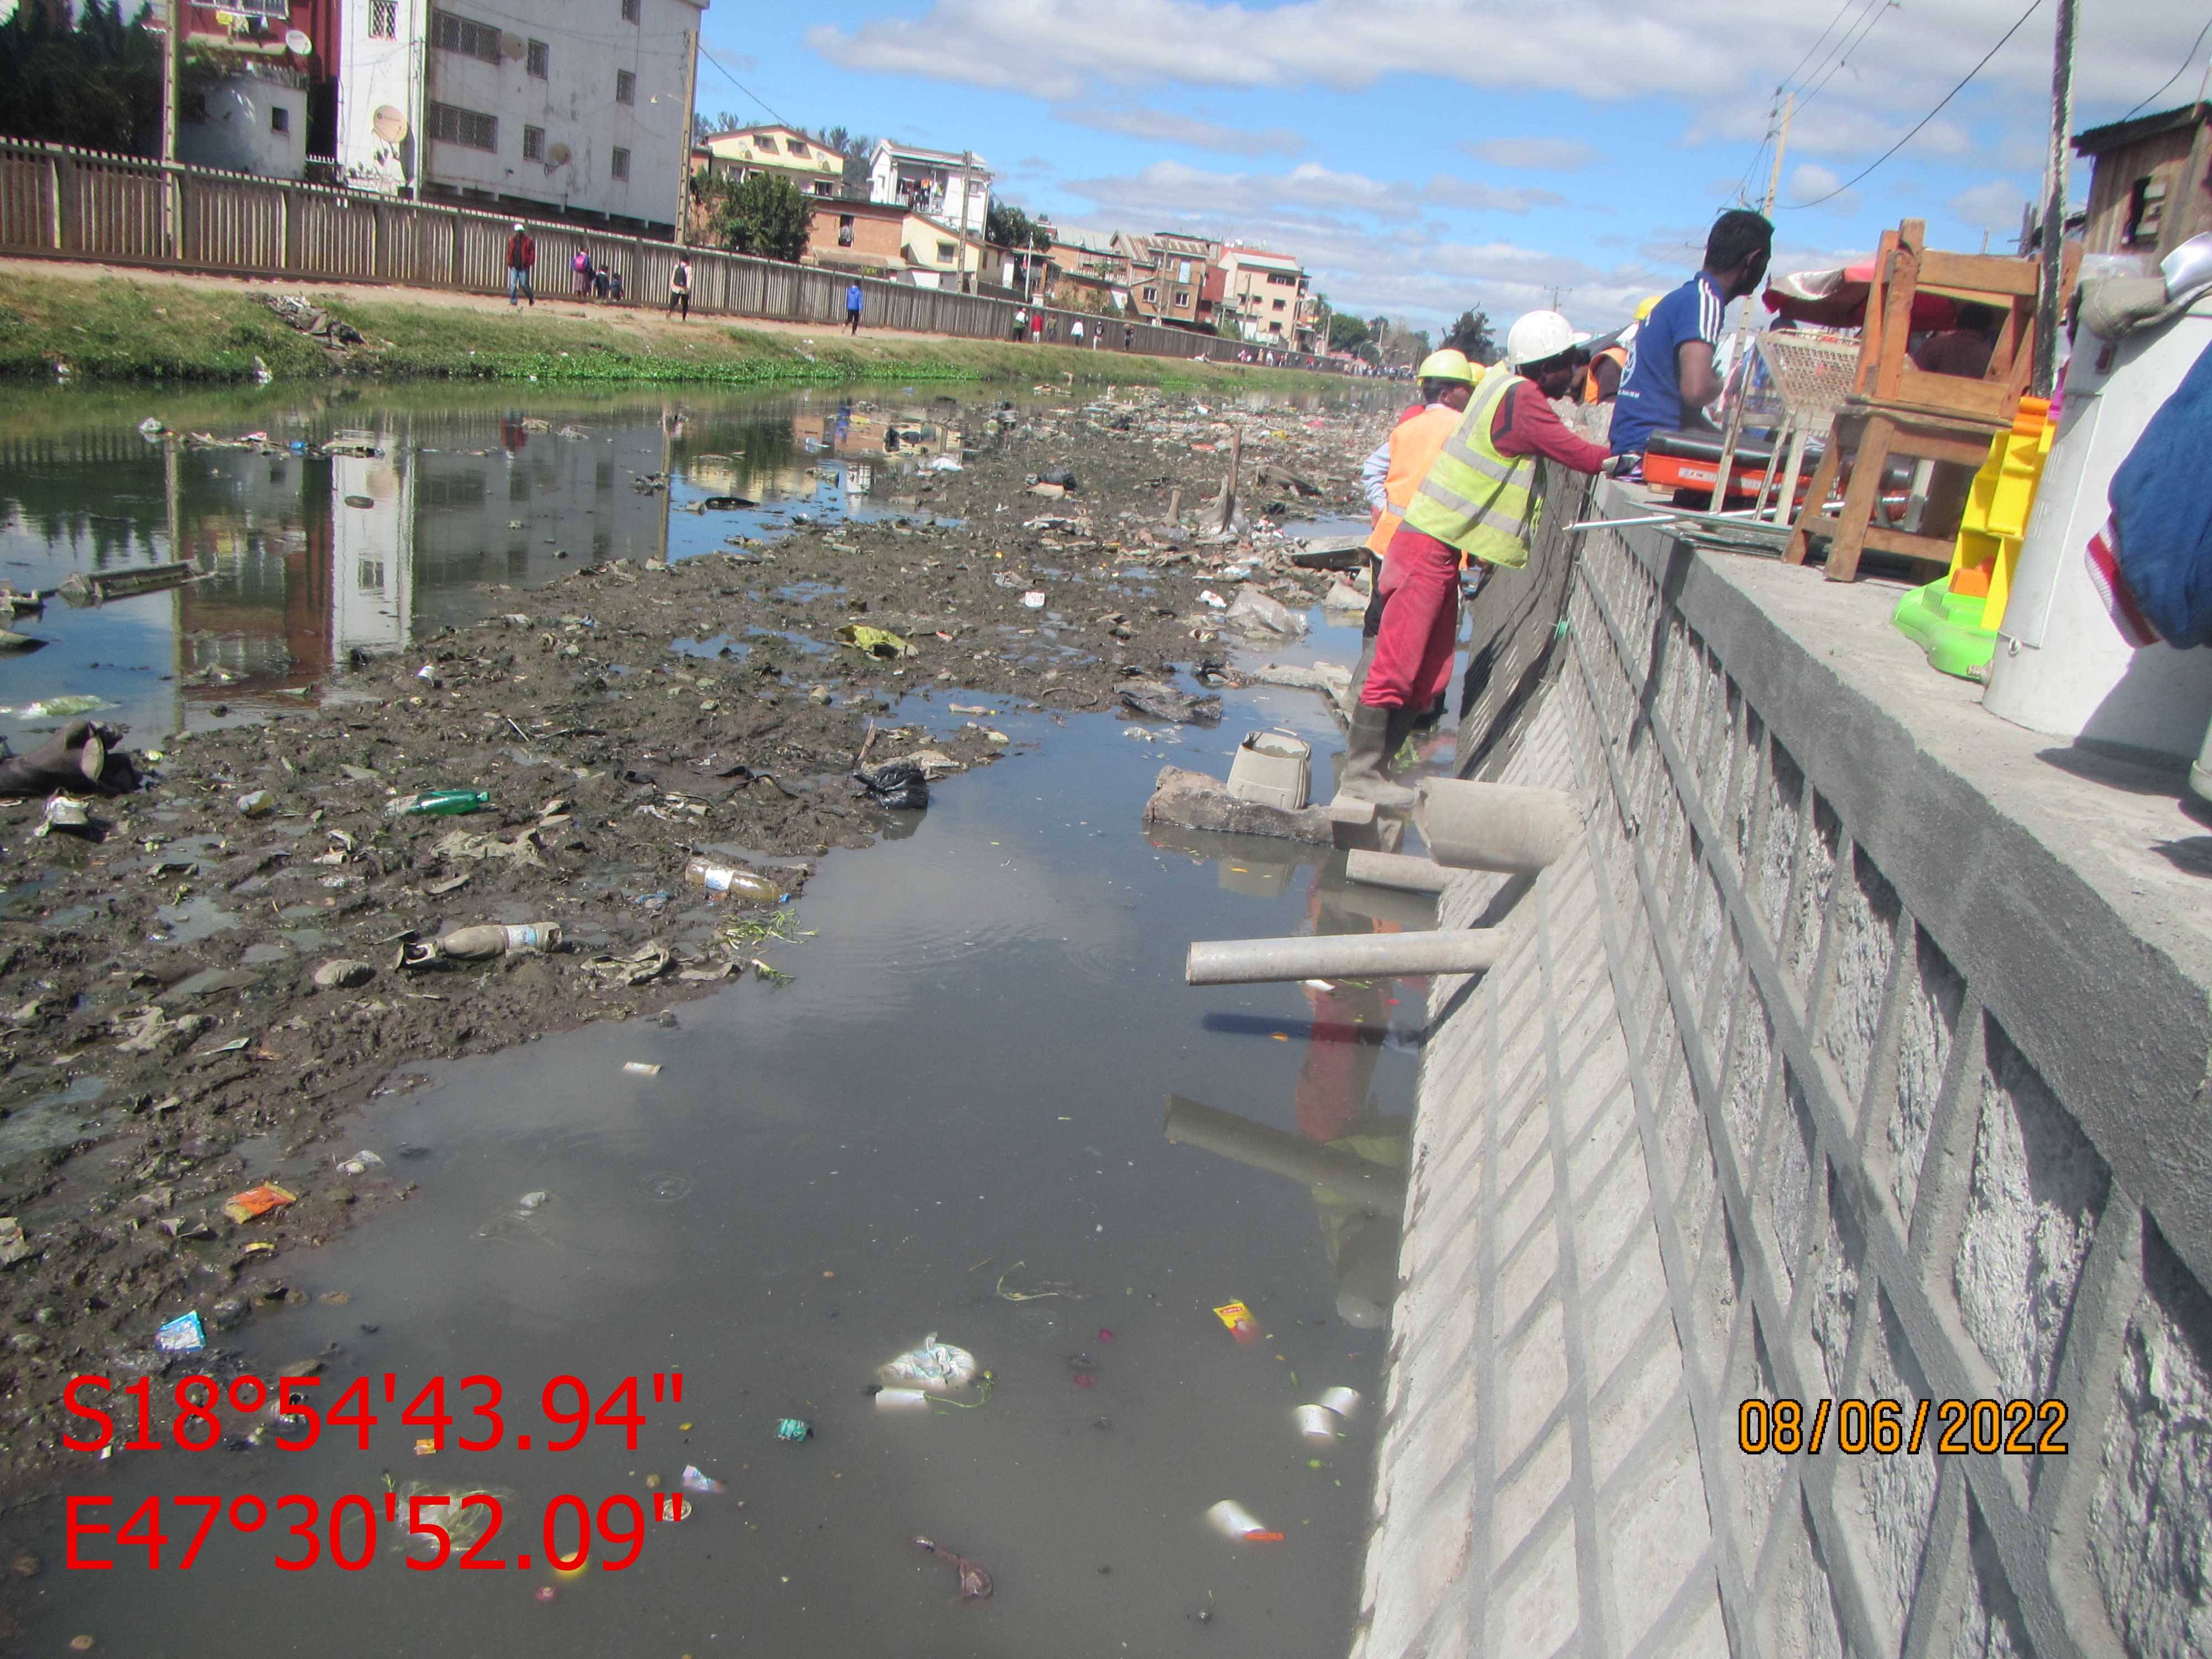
pixel 75 760
pixel 1364 758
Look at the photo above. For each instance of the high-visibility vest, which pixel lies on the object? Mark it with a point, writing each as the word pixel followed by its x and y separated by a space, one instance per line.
pixel 1472 497
pixel 1414 445
pixel 1618 354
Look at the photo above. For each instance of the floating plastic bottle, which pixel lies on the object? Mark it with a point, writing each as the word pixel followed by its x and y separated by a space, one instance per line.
pixel 495 939
pixel 742 884
pixel 438 803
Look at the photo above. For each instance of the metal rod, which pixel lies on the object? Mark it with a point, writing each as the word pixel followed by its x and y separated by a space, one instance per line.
pixel 1343 955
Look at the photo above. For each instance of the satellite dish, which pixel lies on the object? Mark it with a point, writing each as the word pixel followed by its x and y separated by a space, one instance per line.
pixel 296 43
pixel 558 155
pixel 511 46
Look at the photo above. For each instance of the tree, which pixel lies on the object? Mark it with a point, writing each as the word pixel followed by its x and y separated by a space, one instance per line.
pixel 1472 335
pixel 97 84
pixel 1345 332
pixel 854 148
pixel 1006 226
pixel 765 215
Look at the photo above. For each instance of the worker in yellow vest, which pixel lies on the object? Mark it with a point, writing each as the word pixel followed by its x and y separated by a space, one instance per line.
pixel 1478 498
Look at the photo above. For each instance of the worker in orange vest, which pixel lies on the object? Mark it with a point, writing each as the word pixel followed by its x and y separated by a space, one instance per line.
pixel 1601 384
pixel 1394 471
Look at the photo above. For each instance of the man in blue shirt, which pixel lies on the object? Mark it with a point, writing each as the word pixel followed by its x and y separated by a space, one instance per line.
pixel 853 298
pixel 1671 377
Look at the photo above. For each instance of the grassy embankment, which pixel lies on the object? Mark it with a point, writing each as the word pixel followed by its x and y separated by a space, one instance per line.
pixel 116 329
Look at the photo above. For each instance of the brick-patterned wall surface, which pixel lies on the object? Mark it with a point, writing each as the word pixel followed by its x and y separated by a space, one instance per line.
pixel 1732 1123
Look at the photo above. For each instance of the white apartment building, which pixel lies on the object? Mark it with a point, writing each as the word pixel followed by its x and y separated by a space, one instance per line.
pixel 578 109
pixel 941 185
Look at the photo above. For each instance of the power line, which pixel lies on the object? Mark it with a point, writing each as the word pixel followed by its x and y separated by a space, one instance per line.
pixel 2187 59
pixel 1871 17
pixel 2034 6
pixel 740 85
pixel 1819 41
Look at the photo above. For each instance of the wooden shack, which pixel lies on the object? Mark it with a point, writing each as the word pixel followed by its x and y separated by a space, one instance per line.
pixel 2150 182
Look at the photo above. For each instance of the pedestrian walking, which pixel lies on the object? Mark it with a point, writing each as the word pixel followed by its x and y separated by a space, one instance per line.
pixel 1021 324
pixel 679 288
pixel 1075 333
pixel 1129 337
pixel 601 283
pixel 1036 328
pixel 618 281
pixel 521 255
pixel 580 267
pixel 853 296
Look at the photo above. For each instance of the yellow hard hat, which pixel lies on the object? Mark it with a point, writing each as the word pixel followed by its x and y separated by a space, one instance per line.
pixel 1449 364
pixel 1644 306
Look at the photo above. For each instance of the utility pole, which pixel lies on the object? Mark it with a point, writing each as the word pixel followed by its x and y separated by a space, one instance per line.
pixel 684 163
pixel 1737 357
pixel 967 200
pixel 172 51
pixel 2054 202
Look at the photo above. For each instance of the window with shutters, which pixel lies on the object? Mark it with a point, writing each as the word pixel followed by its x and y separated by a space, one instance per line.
pixel 384 20
pixel 621 164
pixel 539 60
pixel 625 87
pixel 533 144
pixel 468 127
pixel 450 32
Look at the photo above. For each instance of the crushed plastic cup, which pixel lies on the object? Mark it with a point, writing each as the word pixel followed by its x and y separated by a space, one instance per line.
pixel 794 1430
pixel 1232 1520
pixel 183 1334
pixel 931 1365
pixel 640 1068
pixel 1318 1422
pixel 694 1480
pixel 902 1400
pixel 361 1163
pixel 1345 1402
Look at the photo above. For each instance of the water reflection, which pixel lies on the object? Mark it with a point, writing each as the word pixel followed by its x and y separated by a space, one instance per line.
pixel 337 532
pixel 1344 1146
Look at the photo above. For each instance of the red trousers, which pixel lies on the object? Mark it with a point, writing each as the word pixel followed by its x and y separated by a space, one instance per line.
pixel 1420 623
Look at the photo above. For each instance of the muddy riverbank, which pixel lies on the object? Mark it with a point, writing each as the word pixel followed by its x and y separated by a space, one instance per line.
pixel 167 1042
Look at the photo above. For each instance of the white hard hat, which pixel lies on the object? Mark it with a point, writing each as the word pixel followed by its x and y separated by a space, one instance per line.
pixel 1538 336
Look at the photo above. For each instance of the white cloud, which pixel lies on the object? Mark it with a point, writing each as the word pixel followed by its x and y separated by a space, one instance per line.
pixel 1444 190
pixel 1811 184
pixel 1134 121
pixel 1993 204
pixel 1535 155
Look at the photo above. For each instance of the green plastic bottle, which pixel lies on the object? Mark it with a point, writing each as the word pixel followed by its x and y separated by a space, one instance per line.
pixel 440 802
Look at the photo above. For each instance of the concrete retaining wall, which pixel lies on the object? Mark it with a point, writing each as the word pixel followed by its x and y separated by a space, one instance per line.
pixel 1861 1053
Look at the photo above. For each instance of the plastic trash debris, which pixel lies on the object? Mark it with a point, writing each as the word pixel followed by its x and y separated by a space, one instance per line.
pixel 902 1400
pixel 878 643
pixel 427 675
pixel 1345 1402
pixel 183 1334
pixel 794 1428
pixel 1237 1319
pixel 727 878
pixel 975 1583
pixel 259 804
pixel 936 1366
pixel 1212 599
pixel 340 973
pixel 901 785
pixel 640 1068
pixel 58 707
pixel 638 967
pixel 257 1200
pixel 1034 599
pixel 694 1482
pixel 361 1163
pixel 944 464
pixel 438 803
pixel 1235 1521
pixel 426 1448
pixel 481 942
pixel 63 812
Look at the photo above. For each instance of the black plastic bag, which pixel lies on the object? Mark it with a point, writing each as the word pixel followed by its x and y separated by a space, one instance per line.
pixel 899 784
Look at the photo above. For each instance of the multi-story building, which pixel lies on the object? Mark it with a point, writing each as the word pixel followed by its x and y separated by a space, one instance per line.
pixel 953 189
pixel 1265 293
pixel 784 152
pixel 577 111
pixel 1167 276
pixel 271 108
pixel 883 239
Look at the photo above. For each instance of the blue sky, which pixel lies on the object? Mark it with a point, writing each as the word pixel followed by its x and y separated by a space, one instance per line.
pixel 1425 155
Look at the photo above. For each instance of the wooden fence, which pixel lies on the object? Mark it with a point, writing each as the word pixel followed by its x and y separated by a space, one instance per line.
pixel 64 203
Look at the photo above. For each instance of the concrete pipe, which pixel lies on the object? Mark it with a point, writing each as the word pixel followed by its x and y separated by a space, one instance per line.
pixel 1193 1124
pixel 1343 955
pixel 1416 912
pixel 1399 870
pixel 1509 827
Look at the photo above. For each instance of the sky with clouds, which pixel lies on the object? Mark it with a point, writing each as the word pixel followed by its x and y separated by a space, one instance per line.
pixel 1425 155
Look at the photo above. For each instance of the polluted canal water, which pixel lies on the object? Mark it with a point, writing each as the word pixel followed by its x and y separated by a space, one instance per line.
pixel 983 1107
